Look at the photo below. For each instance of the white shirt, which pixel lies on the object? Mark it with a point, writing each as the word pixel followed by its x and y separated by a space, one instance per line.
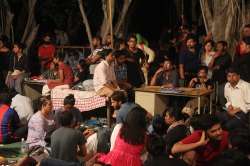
pixel 23 107
pixel 238 96
pixel 104 73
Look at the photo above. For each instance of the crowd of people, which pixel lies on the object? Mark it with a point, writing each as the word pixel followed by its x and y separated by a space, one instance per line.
pixel 179 136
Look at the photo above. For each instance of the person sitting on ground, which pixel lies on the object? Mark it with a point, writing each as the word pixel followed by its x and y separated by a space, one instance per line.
pixel 165 76
pixel 158 126
pixel 237 94
pixel 104 76
pixel 40 124
pixel 201 82
pixel 66 142
pixel 130 141
pixel 157 153
pixel 17 68
pixel 203 145
pixel 65 75
pixel 22 105
pixel 68 105
pixel 177 129
pixel 9 121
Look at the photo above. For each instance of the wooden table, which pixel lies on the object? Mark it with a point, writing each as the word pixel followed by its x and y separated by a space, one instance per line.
pixel 152 98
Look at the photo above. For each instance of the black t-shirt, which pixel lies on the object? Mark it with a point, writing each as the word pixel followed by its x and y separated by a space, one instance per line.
pixel 64 142
pixel 243 63
pixel 175 135
pixel 190 60
pixel 224 62
pixel 198 84
pixel 135 74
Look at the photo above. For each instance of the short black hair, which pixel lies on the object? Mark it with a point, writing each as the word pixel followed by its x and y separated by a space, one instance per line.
pixel 119 53
pixel 118 42
pixel 105 52
pixel 70 99
pixel 224 43
pixel 65 118
pixel 60 56
pixel 233 69
pixel 20 45
pixel 192 36
pixel 98 38
pixel 5 40
pixel 156 145
pixel 246 40
pixel 177 114
pixel 209 41
pixel 83 63
pixel 119 96
pixel 208 121
pixel 159 125
pixel 5 98
pixel 132 35
pixel 205 68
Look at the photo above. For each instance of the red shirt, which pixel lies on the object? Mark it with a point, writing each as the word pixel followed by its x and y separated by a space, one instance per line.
pixel 209 151
pixel 46 53
pixel 68 76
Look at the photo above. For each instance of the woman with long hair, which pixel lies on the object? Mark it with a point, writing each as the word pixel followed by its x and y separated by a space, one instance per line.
pixel 207 55
pixel 130 141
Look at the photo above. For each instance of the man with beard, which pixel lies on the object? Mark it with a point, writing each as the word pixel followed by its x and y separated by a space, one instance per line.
pixel 203 145
pixel 237 93
pixel 189 60
pixel 165 76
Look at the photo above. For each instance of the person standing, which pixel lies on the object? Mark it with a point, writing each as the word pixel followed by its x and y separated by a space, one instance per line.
pixel 17 68
pixel 46 52
pixel 189 60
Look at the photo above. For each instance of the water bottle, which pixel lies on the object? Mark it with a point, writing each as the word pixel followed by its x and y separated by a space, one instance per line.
pixel 24 147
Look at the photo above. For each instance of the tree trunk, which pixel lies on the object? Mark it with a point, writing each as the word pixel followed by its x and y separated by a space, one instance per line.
pixel 31 22
pixel 6 18
pixel 86 23
pixel 223 20
pixel 106 23
pixel 121 18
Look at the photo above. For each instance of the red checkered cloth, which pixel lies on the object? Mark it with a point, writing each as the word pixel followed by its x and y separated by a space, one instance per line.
pixel 85 100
